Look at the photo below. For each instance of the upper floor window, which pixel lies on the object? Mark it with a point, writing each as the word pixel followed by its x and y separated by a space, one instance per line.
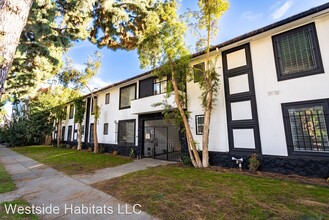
pixel 92 104
pixel 107 98
pixel 306 125
pixel 71 111
pixel 198 72
pixel 297 53
pixel 127 94
pixel 65 113
pixel 199 123
pixel 160 85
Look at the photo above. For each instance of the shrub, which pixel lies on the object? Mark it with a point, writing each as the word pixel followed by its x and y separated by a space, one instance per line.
pixel 68 146
pixel 132 153
pixel 115 153
pixel 254 163
pixel 101 149
pixel 62 145
pixel 74 147
pixel 186 160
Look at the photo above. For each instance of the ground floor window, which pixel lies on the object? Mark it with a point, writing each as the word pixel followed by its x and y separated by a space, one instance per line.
pixel 199 124
pixel 106 128
pixel 126 132
pixel 69 133
pixel 306 125
pixel 91 134
pixel 63 133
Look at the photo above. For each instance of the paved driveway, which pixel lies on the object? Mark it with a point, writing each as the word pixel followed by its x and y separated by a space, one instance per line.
pixel 43 186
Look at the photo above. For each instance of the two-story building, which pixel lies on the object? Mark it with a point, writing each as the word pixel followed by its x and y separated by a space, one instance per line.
pixel 273 101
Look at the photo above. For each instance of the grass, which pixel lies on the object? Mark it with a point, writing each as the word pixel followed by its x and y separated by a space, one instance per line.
pixel 6 183
pixel 15 216
pixel 71 161
pixel 174 192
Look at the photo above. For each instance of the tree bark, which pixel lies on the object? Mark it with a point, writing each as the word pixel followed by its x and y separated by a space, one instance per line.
pixel 13 17
pixel 96 147
pixel 79 137
pixel 208 106
pixel 59 132
pixel 194 155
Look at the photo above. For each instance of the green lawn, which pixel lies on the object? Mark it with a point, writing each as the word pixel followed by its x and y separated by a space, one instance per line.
pixel 174 192
pixel 15 216
pixel 6 183
pixel 71 161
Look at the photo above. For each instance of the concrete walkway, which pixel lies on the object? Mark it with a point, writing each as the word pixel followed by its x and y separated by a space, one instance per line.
pixel 112 172
pixel 42 186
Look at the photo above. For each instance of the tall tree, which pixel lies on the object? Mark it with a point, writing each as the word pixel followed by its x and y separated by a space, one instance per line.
pixel 163 47
pixel 54 101
pixel 207 19
pixel 54 24
pixel 13 17
pixel 79 80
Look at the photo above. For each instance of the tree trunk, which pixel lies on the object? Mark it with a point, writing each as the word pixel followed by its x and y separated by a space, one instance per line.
pixel 79 137
pixel 59 132
pixel 13 17
pixel 195 158
pixel 209 100
pixel 96 147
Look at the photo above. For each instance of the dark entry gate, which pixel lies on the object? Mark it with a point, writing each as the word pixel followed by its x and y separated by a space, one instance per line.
pixel 162 142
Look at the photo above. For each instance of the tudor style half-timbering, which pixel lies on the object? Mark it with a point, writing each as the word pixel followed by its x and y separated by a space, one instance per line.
pixel 273 101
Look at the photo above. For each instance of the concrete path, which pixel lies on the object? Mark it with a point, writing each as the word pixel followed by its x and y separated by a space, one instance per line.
pixel 43 186
pixel 112 172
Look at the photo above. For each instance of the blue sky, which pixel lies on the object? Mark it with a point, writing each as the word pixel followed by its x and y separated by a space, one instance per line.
pixel 243 16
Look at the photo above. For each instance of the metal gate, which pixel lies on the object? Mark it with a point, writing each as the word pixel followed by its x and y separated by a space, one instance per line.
pixel 162 142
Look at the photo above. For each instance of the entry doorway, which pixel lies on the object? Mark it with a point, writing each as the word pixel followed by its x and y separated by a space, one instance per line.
pixel 161 140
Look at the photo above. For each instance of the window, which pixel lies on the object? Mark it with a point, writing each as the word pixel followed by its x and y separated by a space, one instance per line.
pixel 199 124
pixel 306 125
pixel 71 111
pixel 127 94
pixel 297 53
pixel 92 104
pixel 198 72
pixel 69 133
pixel 91 133
pixel 82 129
pixel 65 113
pixel 126 132
pixel 160 85
pixel 63 133
pixel 107 98
pixel 106 128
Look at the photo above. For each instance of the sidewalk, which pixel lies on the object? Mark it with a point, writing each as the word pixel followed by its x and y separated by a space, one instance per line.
pixel 42 186
pixel 112 172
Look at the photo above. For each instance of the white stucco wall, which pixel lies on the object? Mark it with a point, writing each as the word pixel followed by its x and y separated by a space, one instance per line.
pixel 218 140
pixel 270 92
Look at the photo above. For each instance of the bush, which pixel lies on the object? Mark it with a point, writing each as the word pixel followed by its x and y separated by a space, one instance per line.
pixel 186 160
pixel 74 147
pixel 115 153
pixel 254 163
pixel 62 145
pixel 132 153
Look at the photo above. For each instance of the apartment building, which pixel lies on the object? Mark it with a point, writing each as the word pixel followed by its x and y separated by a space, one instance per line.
pixel 273 101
